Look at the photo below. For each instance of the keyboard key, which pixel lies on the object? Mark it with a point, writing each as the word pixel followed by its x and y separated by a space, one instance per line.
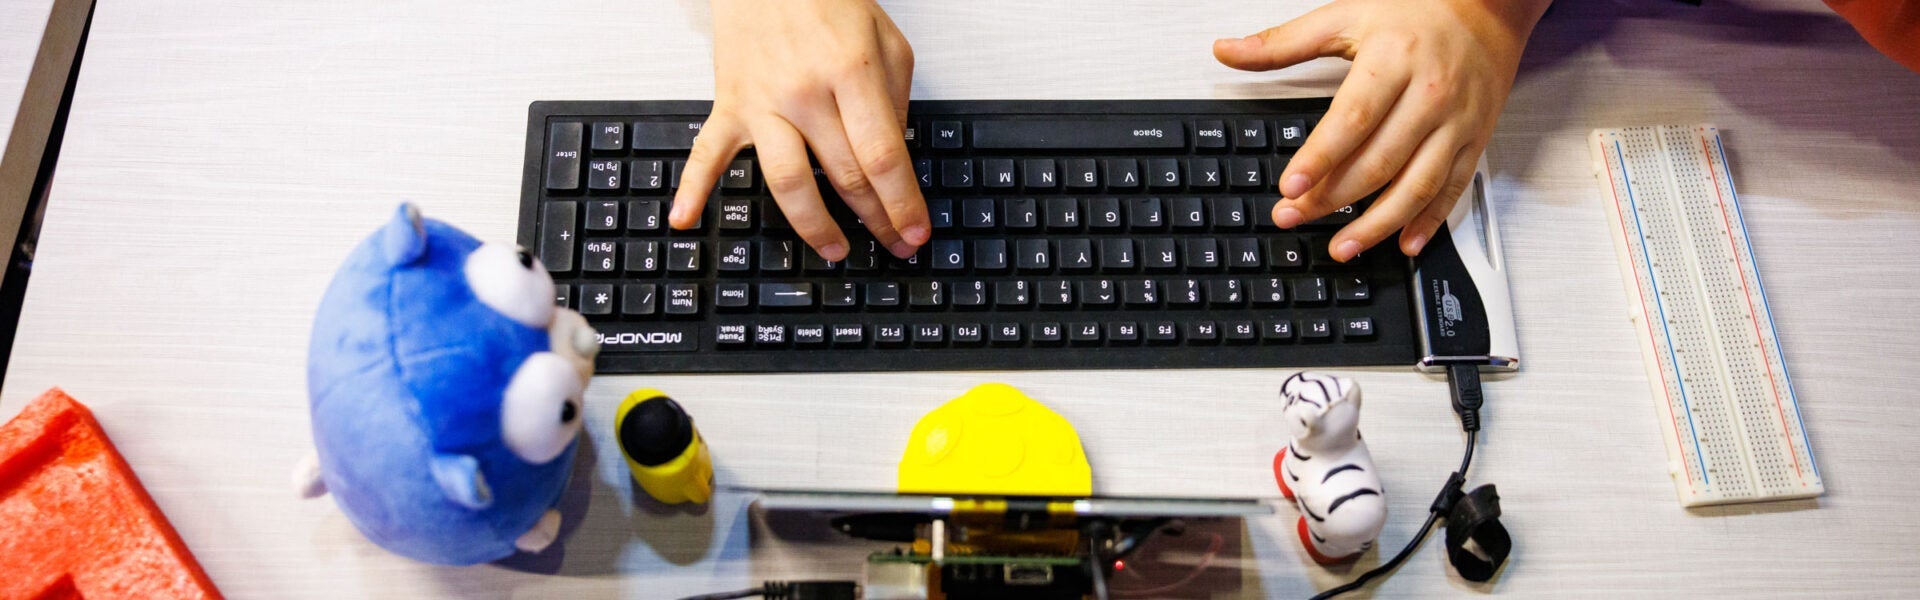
pixel 838 294
pixel 770 335
pixel 683 256
pixel 674 170
pixel 1350 289
pixel 1250 133
pixel 967 334
pixel 1055 292
pixel 562 295
pixel 1079 135
pixel 557 220
pixel 1163 332
pixel 956 173
pixel 890 334
pixel 1138 293
pixel 786 295
pixel 1117 254
pixel 1243 253
pixel 642 257
pixel 1249 173
pixel 1224 292
pixel 1277 331
pixel 1032 255
pixel 1123 332
pixel 1238 331
pixel 1315 329
pixel 730 336
pixel 731 295
pixel 929 335
pixel 1005 334
pixel 1310 290
pixel 609 136
pixel 923 170
pixel 1011 293
pixel 643 215
pixel 683 298
pixel 1289 133
pixel 638 299
pixel 997 172
pixel 1104 213
pixel 812 262
pixel 1204 174
pixel 1076 254
pixel 1159 254
pixel 926 294
pixel 603 175
pixel 1267 291
pixel 596 299
pixel 1122 173
pixel 1085 334
pixel 776 256
pixel 1356 327
pixel 1163 172
pixel 1187 213
pixel 736 215
pixel 1046 333
pixel 977 213
pixel 603 215
pixel 739 175
pixel 735 256
pixel 849 334
pixel 1210 134
pixel 1285 253
pixel 863 255
pixel 1098 293
pixel 563 156
pixel 1339 216
pixel 1146 213
pixel 1083 173
pixel 596 256
pixel 645 175
pixel 665 136
pixel 946 135
pixel 990 255
pixel 883 294
pixel 1200 254
pixel 809 335
pixel 1228 213
pixel 1202 332
pixel 619 338
pixel 1023 214
pixel 1041 174
pixel 1183 292
pixel 968 294
pixel 940 212
pixel 1063 214
pixel 949 255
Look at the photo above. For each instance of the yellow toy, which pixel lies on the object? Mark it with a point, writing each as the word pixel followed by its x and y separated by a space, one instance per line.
pixel 663 450
pixel 994 440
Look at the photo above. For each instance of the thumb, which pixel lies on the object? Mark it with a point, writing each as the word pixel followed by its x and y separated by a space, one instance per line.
pixel 1313 35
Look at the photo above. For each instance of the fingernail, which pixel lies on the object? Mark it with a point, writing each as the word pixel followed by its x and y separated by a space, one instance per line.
pixel 901 249
pixel 834 252
pixel 1416 244
pixel 1295 185
pixel 915 235
pixel 1288 217
pixel 1347 250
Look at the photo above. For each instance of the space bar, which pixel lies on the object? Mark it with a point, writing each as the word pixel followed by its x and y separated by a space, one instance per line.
pixel 647 337
pixel 1079 135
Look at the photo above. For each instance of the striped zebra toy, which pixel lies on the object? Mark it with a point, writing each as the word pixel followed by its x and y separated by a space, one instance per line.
pixel 1326 469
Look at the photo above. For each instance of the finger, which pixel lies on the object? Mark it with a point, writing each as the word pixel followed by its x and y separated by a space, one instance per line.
pixel 1410 193
pixel 713 149
pixel 1381 158
pixel 1311 36
pixel 783 161
pixel 1417 233
pixel 1361 103
pixel 827 135
pixel 874 135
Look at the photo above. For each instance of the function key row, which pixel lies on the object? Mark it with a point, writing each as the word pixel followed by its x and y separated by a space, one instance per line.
pixel 685 258
pixel 648 299
pixel 682 337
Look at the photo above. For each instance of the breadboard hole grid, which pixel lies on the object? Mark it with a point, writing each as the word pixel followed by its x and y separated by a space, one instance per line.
pixel 1732 423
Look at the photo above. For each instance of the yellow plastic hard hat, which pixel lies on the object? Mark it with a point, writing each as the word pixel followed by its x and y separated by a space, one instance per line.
pixel 994 440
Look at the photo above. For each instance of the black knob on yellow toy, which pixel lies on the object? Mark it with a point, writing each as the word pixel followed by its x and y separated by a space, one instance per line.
pixel 665 453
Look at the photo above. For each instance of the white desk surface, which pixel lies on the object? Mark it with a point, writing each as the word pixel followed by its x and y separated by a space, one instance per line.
pixel 223 156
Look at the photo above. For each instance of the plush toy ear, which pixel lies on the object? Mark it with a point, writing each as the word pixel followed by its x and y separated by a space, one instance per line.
pixel 404 238
pixel 459 476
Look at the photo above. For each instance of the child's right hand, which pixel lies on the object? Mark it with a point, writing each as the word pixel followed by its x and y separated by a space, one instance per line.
pixel 831 75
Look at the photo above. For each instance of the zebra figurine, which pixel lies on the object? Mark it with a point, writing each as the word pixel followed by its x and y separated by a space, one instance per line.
pixel 1326 469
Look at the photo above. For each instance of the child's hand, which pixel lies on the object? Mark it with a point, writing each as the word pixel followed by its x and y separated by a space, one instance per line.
pixel 1427 84
pixel 832 75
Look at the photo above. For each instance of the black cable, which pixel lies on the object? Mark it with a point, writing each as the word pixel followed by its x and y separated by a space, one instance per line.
pixel 1464 380
pixel 729 595
pixel 791 590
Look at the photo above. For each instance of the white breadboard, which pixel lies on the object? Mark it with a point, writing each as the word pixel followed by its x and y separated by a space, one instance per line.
pixel 1731 422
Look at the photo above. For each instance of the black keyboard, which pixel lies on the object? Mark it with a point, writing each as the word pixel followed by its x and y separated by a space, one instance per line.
pixel 1067 235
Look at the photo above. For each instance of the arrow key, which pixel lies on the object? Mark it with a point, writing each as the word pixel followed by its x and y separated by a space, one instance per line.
pixel 778 295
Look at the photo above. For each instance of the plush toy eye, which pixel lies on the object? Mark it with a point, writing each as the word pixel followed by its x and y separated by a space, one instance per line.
pixel 511 282
pixel 540 415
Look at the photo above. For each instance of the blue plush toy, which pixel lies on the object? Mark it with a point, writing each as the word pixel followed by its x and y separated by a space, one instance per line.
pixel 446 394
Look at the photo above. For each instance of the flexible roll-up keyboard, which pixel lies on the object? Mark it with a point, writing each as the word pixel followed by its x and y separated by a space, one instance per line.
pixel 1067 235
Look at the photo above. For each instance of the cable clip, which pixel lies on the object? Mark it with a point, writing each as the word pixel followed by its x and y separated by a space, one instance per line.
pixel 1474 516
